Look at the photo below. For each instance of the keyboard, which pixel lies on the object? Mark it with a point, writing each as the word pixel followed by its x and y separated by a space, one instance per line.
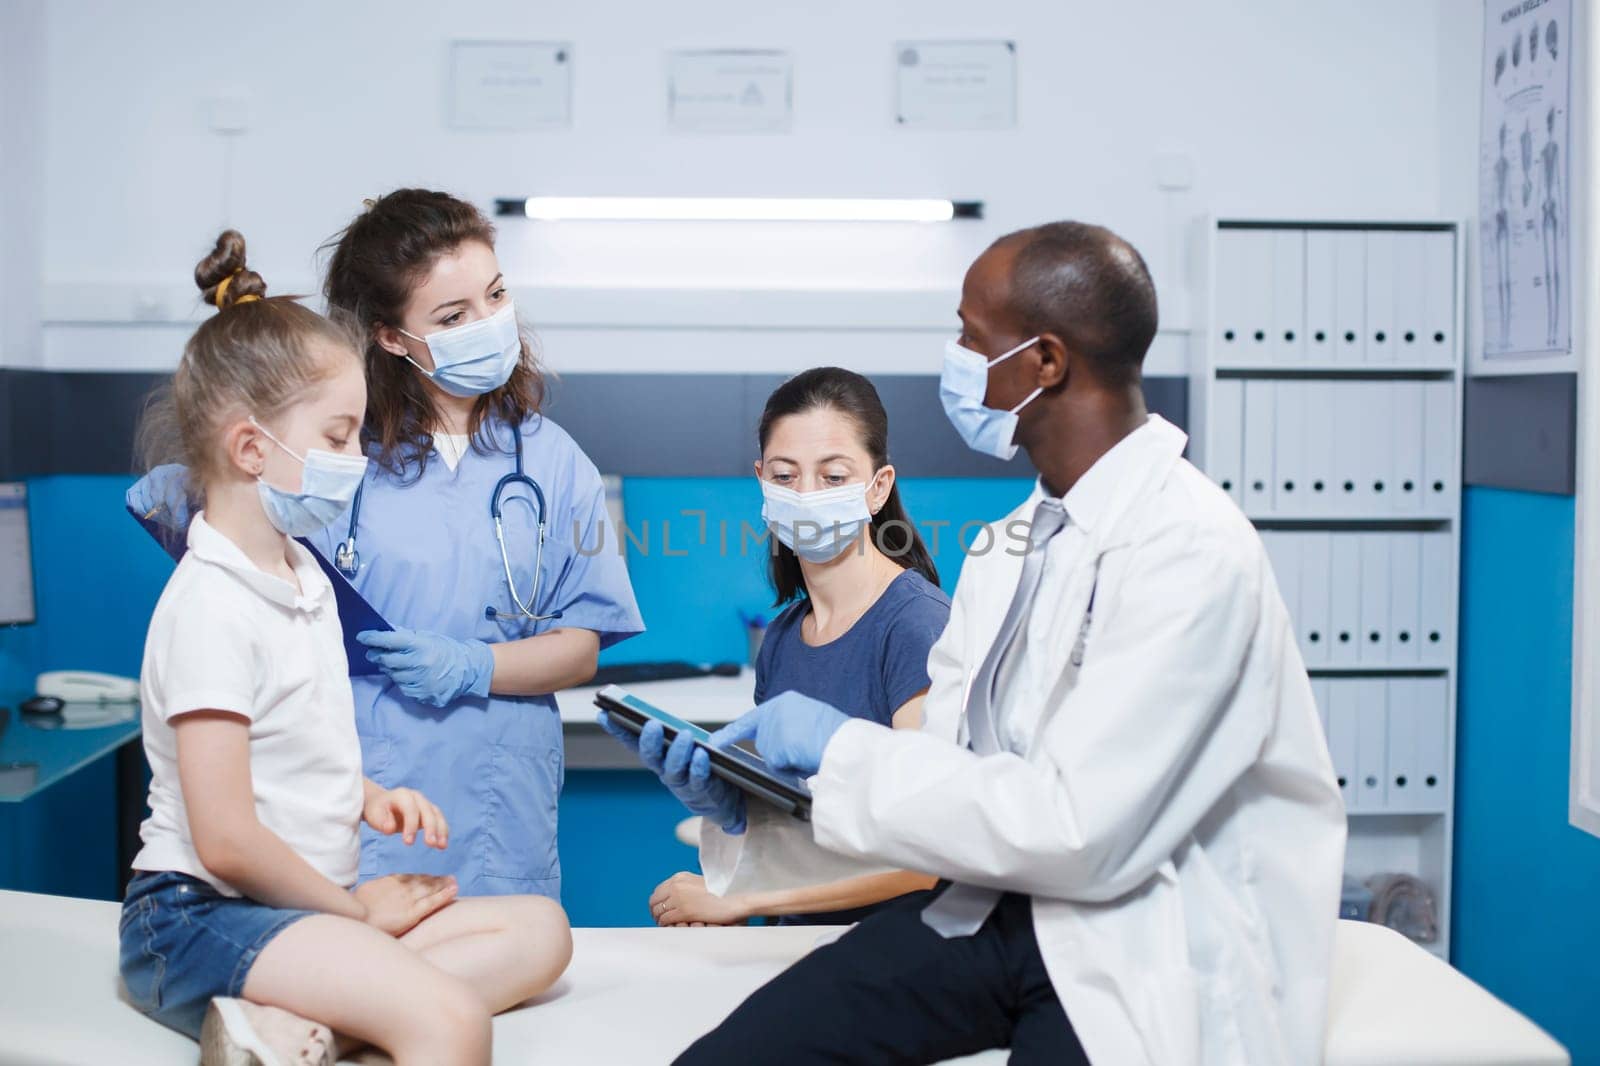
pixel 666 670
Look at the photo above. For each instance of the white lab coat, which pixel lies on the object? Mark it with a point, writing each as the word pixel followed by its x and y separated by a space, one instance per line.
pixel 1176 818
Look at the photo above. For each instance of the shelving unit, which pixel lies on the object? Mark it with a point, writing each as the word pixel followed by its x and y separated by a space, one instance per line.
pixel 1325 395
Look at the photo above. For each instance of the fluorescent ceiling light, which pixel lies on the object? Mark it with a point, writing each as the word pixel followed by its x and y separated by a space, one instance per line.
pixel 736 209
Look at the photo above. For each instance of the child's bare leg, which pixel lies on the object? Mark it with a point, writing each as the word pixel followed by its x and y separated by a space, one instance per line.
pixel 364 983
pixel 508 948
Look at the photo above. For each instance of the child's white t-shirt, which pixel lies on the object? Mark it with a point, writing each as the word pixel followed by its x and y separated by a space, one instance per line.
pixel 227 636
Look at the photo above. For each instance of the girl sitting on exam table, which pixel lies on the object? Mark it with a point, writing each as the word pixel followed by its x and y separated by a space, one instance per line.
pixel 864 608
pixel 241 925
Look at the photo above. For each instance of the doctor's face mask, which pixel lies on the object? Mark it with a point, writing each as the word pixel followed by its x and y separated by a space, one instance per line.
pixel 963 383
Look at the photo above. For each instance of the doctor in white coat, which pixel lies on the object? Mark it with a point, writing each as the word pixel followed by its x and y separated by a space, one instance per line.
pixel 1137 826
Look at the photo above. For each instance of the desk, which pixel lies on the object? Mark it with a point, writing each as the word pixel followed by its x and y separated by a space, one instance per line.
pixel 34 759
pixel 709 701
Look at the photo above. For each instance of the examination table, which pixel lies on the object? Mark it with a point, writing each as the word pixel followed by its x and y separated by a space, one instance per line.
pixel 639 996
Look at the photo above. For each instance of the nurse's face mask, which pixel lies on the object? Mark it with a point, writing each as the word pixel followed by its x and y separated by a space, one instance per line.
pixel 474 357
pixel 328 482
pixel 817 526
pixel 963 383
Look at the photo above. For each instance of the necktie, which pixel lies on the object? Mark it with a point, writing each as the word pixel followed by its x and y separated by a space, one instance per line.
pixel 960 910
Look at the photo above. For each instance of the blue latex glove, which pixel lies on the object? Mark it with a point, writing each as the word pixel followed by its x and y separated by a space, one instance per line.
pixel 686 771
pixel 162 495
pixel 433 669
pixel 791 731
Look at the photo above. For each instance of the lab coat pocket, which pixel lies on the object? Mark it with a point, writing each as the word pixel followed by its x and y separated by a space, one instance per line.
pixel 519 829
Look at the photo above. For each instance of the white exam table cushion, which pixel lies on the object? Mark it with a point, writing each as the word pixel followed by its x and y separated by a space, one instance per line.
pixel 640 996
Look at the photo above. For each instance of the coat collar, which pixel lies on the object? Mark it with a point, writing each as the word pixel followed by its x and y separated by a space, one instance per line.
pixel 1133 467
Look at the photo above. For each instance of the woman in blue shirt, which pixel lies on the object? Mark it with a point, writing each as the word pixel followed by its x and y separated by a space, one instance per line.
pixel 863 609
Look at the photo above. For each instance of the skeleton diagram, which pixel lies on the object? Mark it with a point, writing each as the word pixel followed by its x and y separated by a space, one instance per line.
pixel 1502 238
pixel 1549 225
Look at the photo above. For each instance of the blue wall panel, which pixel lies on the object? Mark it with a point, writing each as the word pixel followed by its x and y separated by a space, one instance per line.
pixel 691 601
pixel 99 576
pixel 1527 925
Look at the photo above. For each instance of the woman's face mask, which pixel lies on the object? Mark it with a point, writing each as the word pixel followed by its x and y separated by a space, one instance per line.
pixel 817 526
pixel 473 358
pixel 328 482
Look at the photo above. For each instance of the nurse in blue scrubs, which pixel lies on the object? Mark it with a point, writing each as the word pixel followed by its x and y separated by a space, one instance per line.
pixel 445 542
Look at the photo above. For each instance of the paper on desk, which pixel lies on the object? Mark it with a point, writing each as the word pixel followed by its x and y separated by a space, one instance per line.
pixel 356 615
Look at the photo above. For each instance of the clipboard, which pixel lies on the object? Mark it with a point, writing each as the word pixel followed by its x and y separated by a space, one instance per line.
pixel 740 768
pixel 356 615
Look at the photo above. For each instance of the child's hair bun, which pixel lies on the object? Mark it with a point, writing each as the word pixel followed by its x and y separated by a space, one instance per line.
pixel 223 277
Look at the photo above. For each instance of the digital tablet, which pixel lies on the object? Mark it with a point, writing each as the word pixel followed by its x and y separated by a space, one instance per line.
pixel 738 767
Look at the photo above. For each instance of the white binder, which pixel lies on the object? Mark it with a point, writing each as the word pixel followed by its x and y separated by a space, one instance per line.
pixel 1350 299
pixel 1408 493
pixel 1375 635
pixel 1322 286
pixel 1287 345
pixel 1438 445
pixel 1439 298
pixel 1225 464
pixel 1230 329
pixel 1403 788
pixel 1344 599
pixel 1380 297
pixel 1259 418
pixel 1433 741
pixel 1319 695
pixel 1344 720
pixel 1319 443
pixel 1347 491
pixel 1256 293
pixel 1409 314
pixel 1372 745
pixel 1283 551
pixel 1438 612
pixel 1314 597
pixel 1405 598
pixel 1289 490
pixel 1375 445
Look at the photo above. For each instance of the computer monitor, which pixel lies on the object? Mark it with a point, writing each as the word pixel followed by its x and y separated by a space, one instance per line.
pixel 16 557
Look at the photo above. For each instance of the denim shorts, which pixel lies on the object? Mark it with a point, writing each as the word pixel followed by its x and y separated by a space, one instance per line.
pixel 184 943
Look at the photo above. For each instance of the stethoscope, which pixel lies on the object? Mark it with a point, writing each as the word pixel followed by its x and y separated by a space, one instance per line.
pixel 347 559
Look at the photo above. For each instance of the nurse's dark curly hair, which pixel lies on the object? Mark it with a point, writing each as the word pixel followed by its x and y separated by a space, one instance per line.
pixel 376 263
pixel 830 388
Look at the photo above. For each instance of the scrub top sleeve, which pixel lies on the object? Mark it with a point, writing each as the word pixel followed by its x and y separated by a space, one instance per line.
pixel 906 643
pixel 592 590
pixel 207 662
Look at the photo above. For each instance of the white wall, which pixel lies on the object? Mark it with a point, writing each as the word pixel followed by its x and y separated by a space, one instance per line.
pixel 22 36
pixel 1336 110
